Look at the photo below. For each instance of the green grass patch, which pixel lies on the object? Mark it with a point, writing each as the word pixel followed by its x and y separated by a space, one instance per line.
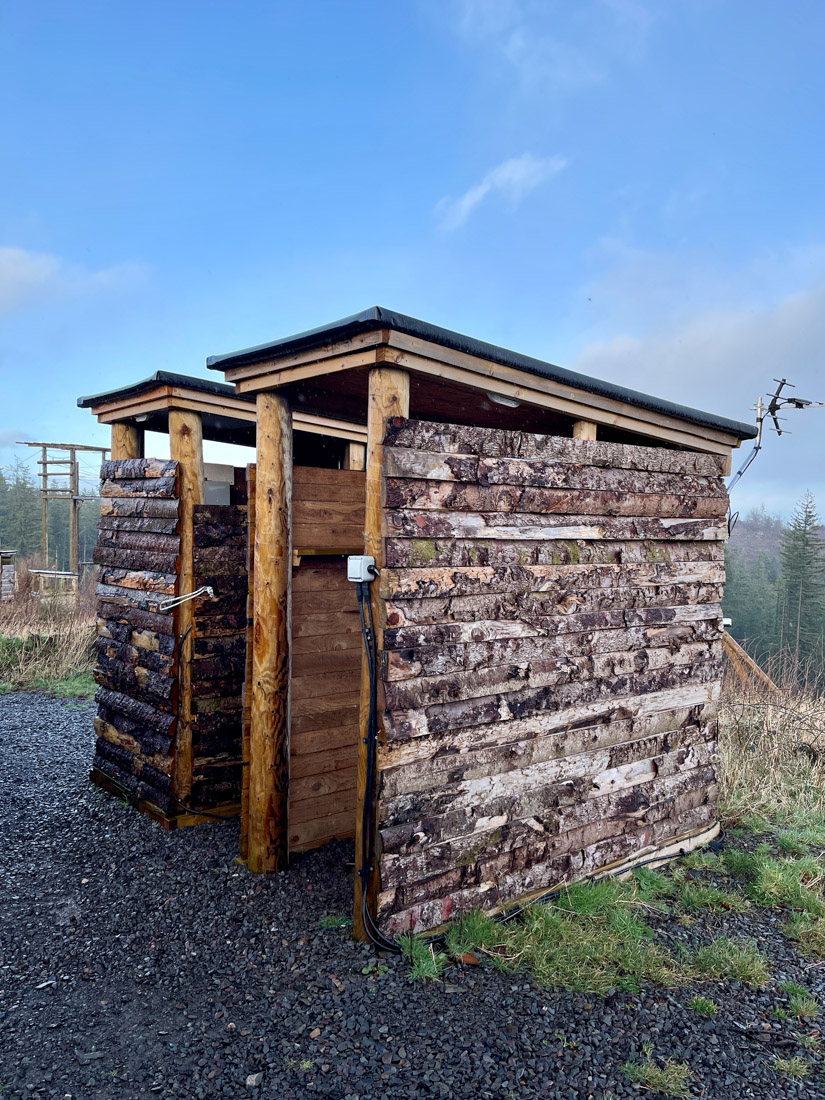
pixel 669 1079
pixel 725 958
pixel 792 842
pixel 793 1067
pixel 593 939
pixel 804 1007
pixel 426 964
pixel 686 894
pixel 79 686
pixel 703 1006
pixel 808 932
pixel 334 920
pixel 793 989
pixel 793 882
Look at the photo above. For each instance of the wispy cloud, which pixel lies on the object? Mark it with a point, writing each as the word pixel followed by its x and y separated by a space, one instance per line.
pixel 512 180
pixel 28 279
pixel 526 34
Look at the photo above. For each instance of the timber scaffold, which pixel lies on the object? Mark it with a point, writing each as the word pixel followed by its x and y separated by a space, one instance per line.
pixel 551 661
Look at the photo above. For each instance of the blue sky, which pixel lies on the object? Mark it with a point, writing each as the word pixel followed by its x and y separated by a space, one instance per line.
pixel 629 188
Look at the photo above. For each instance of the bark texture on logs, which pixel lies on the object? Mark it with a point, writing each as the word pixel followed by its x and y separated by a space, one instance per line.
pixel 550 662
pixel 138 548
pixel 219 651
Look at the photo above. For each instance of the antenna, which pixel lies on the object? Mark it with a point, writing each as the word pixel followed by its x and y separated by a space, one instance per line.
pixel 776 402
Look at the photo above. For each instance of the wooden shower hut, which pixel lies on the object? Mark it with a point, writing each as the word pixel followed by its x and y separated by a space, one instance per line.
pixel 548 620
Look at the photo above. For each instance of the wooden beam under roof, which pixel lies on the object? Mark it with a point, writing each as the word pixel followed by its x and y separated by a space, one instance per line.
pixel 436 361
pixel 164 398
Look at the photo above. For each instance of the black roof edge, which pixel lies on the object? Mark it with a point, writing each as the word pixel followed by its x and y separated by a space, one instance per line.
pixel 164 378
pixel 378 317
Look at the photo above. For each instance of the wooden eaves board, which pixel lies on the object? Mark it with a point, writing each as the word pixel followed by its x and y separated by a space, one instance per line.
pixel 420 356
pixel 177 397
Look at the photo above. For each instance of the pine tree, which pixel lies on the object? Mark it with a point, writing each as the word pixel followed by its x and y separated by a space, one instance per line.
pixel 21 526
pixel 801 592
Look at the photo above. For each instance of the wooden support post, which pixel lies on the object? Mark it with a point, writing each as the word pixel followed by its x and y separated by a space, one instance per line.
pixel 186 446
pixel 127 440
pixel 247 685
pixel 584 429
pixel 268 843
pixel 355 456
pixel 44 507
pixel 74 510
pixel 389 395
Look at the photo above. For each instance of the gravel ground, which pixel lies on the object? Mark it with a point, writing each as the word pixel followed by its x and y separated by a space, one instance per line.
pixel 142 963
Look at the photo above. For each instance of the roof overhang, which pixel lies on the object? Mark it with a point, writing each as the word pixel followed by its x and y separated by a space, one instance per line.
pixel 227 416
pixel 379 336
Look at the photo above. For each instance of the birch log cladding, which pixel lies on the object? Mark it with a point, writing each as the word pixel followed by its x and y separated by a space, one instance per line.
pixel 550 664
pixel 138 549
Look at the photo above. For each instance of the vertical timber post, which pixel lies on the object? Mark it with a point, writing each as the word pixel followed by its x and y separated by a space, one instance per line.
pixel 268 841
pixel 389 395
pixel 74 513
pixel 186 446
pixel 584 429
pixel 127 440
pixel 355 456
pixel 44 508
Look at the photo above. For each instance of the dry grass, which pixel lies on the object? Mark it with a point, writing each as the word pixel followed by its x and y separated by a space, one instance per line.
pixel 47 644
pixel 772 754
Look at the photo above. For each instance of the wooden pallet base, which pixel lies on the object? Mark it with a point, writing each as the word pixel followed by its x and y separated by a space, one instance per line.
pixel 167 821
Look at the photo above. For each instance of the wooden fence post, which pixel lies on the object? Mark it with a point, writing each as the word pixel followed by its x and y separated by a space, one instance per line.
pixel 186 447
pixel 389 395
pixel 268 843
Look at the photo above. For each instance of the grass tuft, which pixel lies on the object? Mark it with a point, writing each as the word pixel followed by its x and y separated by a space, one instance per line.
pixel 334 920
pixel 725 958
pixel 805 1007
pixel 670 1078
pixel 426 964
pixel 703 1006
pixel 793 1067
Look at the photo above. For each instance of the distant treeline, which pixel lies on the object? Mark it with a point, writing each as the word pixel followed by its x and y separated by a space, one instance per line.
pixel 20 519
pixel 775 590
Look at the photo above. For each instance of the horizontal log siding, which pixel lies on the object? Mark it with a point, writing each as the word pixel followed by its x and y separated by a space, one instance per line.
pixel 326 678
pixel 551 661
pixel 219 653
pixel 136 670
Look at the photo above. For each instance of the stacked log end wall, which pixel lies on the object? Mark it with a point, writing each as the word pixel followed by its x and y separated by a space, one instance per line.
pixel 137 551
pixel 219 662
pixel 551 661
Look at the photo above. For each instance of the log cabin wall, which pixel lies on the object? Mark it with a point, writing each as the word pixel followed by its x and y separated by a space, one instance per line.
pixel 551 661
pixel 137 552
pixel 219 653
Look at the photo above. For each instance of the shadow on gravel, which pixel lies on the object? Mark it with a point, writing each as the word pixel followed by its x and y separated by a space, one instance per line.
pixel 139 963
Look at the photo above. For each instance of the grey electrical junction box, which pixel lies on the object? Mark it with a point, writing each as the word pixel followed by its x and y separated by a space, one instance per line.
pixel 358 568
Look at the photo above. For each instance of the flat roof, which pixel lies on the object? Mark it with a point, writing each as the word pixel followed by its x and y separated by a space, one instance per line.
pixel 163 378
pixel 377 317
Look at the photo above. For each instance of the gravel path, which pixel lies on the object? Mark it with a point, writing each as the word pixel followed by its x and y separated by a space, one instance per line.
pixel 142 963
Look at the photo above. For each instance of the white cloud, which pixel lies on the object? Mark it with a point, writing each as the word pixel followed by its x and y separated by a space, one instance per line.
pixel 715 340
pixel 28 279
pixel 525 33
pixel 512 180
